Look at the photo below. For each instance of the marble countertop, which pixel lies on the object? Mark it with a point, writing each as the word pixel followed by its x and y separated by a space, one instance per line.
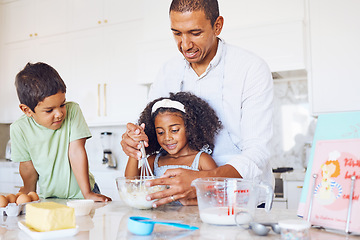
pixel 108 221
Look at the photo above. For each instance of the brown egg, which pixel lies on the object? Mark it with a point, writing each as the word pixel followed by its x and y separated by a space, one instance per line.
pixel 33 196
pixel 18 194
pixel 23 198
pixel 3 201
pixel 11 198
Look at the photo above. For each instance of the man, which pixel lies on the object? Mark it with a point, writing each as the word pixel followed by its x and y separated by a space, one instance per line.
pixel 236 83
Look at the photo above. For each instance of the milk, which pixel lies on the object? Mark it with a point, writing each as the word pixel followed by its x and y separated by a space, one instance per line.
pixel 224 216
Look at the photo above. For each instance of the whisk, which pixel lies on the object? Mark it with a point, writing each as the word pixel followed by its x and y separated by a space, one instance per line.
pixel 143 164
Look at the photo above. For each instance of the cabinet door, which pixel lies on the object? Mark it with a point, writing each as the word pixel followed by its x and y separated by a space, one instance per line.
pixel 86 14
pixel 24 20
pixel 292 191
pixel 105 57
pixel 116 11
pixel 17 55
pixel 52 51
pixel 19 20
pixel 335 50
pixel 86 71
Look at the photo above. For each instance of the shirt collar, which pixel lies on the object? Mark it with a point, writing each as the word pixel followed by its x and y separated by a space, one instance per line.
pixel 216 59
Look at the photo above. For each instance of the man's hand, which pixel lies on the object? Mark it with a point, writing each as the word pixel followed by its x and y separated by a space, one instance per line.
pixel 179 182
pixel 130 142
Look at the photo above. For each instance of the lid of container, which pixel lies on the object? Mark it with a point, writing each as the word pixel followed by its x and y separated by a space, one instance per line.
pixel 295 224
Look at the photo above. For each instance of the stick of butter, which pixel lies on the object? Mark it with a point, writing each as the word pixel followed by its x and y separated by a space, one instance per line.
pixel 49 216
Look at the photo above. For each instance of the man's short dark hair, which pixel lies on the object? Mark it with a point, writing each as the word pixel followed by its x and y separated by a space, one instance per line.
pixel 210 7
pixel 36 82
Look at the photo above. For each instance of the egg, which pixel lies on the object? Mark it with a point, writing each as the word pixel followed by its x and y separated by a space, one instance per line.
pixel 3 201
pixel 33 196
pixel 11 198
pixel 18 194
pixel 23 198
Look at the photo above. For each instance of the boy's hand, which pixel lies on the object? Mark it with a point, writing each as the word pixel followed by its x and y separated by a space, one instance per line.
pixel 97 197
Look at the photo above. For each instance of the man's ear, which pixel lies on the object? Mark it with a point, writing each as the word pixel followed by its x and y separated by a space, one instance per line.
pixel 218 25
pixel 26 110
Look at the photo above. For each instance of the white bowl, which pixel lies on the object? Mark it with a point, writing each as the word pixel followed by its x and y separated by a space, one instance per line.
pixel 82 207
pixel 133 191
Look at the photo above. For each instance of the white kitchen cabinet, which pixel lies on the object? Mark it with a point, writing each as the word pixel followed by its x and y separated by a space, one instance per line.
pixel 281 45
pixel 293 184
pixel 17 56
pixel 103 69
pixel 274 30
pixel 10 179
pixel 334 41
pixel 94 13
pixel 29 19
pixel 292 192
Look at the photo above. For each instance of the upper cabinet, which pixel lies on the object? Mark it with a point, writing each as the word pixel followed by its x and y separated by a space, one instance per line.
pixel 335 73
pixel 96 61
pixel 274 30
pixel 103 75
pixel 30 19
pixel 94 13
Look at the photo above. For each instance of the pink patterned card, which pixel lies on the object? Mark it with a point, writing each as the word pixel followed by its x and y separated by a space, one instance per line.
pixel 335 162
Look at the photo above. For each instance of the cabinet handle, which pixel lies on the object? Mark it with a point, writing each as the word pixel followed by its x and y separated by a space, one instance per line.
pixel 17 186
pixel 105 99
pixel 98 101
pixel 16 173
pixel 299 186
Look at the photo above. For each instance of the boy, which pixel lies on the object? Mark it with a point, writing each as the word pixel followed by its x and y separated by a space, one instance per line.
pixel 49 139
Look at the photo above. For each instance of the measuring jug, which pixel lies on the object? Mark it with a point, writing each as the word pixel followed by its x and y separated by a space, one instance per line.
pixel 220 200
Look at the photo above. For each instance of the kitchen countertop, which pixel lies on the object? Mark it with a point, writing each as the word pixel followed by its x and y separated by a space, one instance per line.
pixel 108 221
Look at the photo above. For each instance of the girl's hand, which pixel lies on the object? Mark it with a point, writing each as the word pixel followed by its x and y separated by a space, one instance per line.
pixel 97 197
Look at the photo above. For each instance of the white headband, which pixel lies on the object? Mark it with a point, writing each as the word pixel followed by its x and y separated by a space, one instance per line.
pixel 167 103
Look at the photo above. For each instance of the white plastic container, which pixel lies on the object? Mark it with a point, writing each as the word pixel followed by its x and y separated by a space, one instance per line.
pixel 294 229
pixel 82 207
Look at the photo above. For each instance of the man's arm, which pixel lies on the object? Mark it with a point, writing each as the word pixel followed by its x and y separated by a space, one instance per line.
pixel 79 164
pixel 29 176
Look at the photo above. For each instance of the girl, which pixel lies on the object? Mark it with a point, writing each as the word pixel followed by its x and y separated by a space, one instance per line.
pixel 181 131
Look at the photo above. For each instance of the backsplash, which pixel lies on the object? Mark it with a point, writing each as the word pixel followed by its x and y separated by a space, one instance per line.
pixel 293 125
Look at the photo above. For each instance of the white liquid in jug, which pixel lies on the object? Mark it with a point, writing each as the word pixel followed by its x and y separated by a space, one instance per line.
pixel 224 216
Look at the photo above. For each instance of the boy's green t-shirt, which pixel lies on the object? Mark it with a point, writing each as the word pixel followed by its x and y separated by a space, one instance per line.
pixel 48 150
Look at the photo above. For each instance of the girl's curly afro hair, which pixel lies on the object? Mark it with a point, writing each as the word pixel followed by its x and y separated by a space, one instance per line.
pixel 201 121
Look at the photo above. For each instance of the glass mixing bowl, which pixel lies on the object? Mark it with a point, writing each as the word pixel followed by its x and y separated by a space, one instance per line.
pixel 133 192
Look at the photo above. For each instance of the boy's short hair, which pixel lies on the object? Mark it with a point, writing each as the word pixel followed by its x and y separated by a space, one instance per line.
pixel 210 8
pixel 36 82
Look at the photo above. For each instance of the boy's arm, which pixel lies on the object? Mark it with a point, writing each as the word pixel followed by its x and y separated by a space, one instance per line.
pixel 29 176
pixel 79 164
